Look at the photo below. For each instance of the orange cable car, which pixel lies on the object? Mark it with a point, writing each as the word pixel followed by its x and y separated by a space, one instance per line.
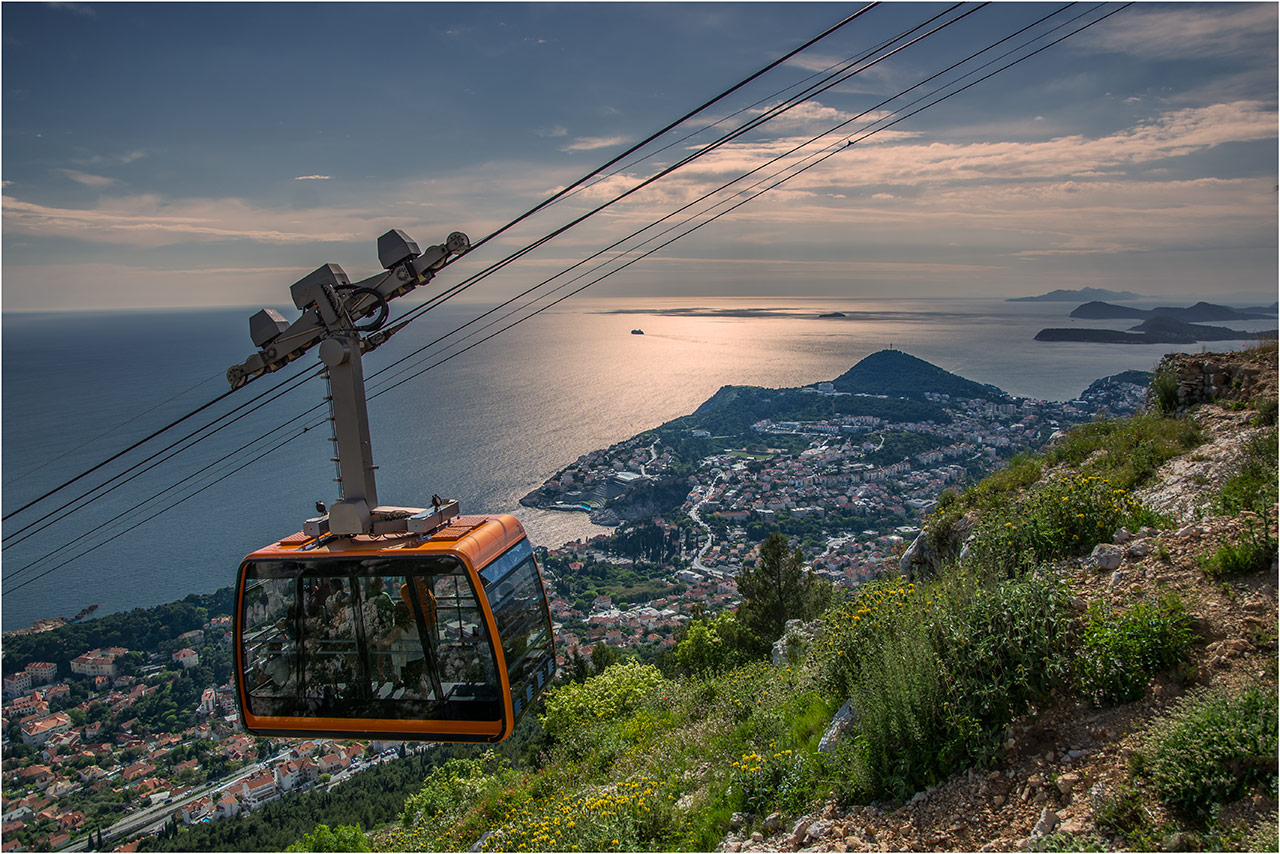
pixel 444 636
pixel 393 622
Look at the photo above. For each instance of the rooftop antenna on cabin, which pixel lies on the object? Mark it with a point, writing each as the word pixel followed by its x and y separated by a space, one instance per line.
pixel 332 310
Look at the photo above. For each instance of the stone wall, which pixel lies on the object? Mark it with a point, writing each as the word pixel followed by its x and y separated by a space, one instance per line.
pixel 1208 377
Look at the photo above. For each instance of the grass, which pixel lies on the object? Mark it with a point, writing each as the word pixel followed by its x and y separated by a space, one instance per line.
pixel 936 673
pixel 1252 484
pixel 1027 520
pixel 1254 552
pixel 1019 473
pixel 1065 517
pixel 1214 748
pixel 1126 452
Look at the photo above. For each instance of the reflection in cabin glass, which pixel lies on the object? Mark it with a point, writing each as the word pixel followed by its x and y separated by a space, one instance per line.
pixel 367 638
pixel 520 611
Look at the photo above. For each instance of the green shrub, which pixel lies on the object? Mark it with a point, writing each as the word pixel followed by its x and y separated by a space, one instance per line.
pixel 1214 748
pixel 619 689
pixel 1123 814
pixel 937 672
pixel 344 837
pixel 1263 836
pixel 702 650
pixel 1119 653
pixel 436 817
pixel 1252 553
pixel 1164 390
pixel 1267 409
pixel 1067 516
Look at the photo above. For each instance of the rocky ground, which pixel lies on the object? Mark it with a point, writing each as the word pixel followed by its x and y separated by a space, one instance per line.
pixel 1062 762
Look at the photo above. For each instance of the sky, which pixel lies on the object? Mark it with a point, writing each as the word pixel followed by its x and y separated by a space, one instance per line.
pixel 177 155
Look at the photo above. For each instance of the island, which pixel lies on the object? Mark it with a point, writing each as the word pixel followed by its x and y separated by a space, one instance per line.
pixel 1157 330
pixel 1061 295
pixel 1201 312
pixel 1164 325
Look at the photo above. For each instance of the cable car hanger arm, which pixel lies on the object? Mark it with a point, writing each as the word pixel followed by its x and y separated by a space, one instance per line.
pixel 331 304
pixel 332 308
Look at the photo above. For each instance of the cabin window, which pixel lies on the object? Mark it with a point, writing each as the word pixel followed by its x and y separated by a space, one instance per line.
pixel 369 638
pixel 520 611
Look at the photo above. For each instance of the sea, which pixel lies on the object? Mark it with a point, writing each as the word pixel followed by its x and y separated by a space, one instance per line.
pixel 484 425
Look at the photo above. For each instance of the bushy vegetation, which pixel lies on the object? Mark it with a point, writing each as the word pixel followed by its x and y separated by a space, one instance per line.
pixel 341 838
pixel 1214 748
pixel 715 645
pixel 1251 486
pixel 616 691
pixel 1255 551
pixel 1164 390
pixel 1127 451
pixel 644 762
pixel 1120 652
pixel 938 672
pixel 934 672
pixel 1065 517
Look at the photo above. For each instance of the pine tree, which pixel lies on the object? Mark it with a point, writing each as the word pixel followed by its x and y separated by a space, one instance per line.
pixel 778 588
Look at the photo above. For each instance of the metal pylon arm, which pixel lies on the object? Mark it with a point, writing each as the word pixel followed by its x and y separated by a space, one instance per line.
pixel 332 309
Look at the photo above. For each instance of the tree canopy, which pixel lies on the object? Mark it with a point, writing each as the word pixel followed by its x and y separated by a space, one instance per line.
pixel 779 588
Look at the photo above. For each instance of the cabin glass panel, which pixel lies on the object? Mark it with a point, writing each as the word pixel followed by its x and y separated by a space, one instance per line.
pixel 520 611
pixel 367 638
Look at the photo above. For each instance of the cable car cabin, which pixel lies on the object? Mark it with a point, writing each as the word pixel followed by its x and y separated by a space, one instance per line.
pixel 437 637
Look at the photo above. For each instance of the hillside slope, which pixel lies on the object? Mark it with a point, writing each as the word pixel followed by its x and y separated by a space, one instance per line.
pixel 1036 679
pixel 1055 786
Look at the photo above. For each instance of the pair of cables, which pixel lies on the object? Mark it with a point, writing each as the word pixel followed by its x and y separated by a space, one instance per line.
pixel 444 296
pixel 284 386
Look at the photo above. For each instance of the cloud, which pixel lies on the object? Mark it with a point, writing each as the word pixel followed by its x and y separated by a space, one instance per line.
pixel 1214 30
pixel 111 159
pixel 807 114
pixel 1067 195
pixel 149 220
pixel 1172 134
pixel 312 178
pixel 82 9
pixel 85 179
pixel 814 61
pixel 591 143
